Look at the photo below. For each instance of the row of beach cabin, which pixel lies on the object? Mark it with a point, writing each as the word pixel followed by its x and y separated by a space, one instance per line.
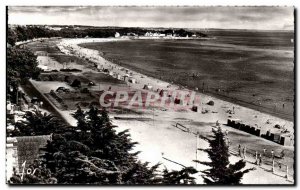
pixel 281 139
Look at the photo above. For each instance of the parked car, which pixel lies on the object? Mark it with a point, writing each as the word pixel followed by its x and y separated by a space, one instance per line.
pixel 62 89
pixel 34 100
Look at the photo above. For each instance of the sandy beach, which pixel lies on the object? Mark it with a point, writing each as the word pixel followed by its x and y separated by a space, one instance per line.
pixel 156 132
pixel 248 116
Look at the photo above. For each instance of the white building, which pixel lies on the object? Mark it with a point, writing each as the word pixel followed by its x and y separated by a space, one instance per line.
pixel 117 35
pixel 11 157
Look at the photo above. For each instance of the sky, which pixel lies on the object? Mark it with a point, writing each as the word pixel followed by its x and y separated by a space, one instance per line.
pixel 259 18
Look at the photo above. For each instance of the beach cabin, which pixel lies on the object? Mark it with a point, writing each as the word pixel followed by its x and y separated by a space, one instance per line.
pixel 233 122
pixel 286 141
pixel 247 128
pixel 257 132
pixel 252 130
pixel 275 137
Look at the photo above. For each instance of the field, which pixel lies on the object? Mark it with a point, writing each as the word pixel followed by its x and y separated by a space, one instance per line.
pixel 253 69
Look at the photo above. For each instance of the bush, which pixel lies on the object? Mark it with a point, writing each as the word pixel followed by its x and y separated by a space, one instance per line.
pixel 70 70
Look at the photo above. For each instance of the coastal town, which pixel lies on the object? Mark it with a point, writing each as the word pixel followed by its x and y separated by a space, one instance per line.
pixel 74 115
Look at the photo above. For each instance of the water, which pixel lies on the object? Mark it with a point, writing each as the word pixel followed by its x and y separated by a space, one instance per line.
pixel 251 68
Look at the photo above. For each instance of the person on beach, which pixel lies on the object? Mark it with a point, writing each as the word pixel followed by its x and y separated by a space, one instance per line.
pixel 240 152
pixel 259 160
pixel 244 152
pixel 256 158
pixel 228 142
pixel 272 154
pixel 226 132
pixel 264 152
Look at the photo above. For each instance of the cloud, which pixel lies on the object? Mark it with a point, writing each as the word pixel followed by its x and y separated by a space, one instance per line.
pixel 271 18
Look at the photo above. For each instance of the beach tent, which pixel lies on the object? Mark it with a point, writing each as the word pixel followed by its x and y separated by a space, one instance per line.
pixel 76 83
pixel 91 84
pixel 211 103
pixel 195 108
pixel 132 80
pixel 125 77
pixel 119 77
pixel 99 67
pixel 177 101
pixel 148 87
pixel 161 93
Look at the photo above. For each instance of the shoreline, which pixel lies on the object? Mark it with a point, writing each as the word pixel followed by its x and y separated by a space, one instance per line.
pixel 96 56
pixel 222 96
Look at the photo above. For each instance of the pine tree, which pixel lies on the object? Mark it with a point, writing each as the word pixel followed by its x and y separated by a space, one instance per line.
pixel 221 171
pixel 179 177
pixel 37 123
pixel 141 174
pixel 80 116
pixel 94 153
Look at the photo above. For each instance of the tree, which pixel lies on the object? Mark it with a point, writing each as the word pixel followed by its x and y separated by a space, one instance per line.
pixel 68 160
pixel 221 171
pixel 95 153
pixel 179 177
pixel 11 37
pixel 21 33
pixel 21 63
pixel 37 123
